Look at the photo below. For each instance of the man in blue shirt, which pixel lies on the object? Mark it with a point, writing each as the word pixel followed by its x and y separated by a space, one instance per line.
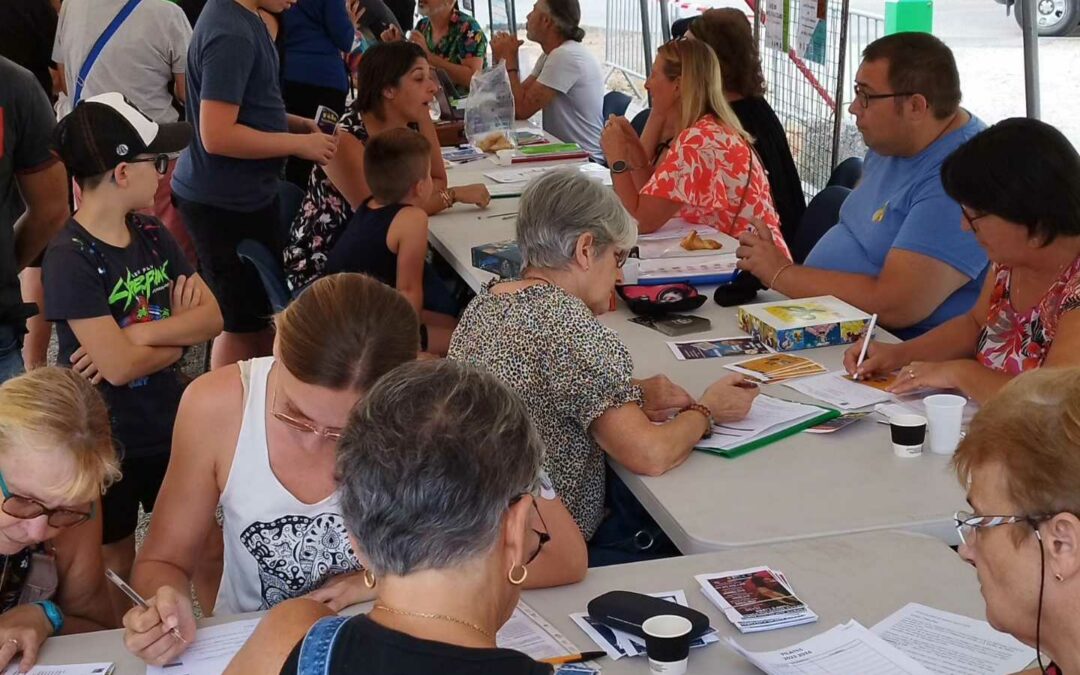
pixel 899 249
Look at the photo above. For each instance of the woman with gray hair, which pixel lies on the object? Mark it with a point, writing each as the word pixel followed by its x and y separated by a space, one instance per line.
pixel 438 467
pixel 539 334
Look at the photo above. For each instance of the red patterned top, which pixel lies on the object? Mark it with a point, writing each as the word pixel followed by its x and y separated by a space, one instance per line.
pixel 1015 342
pixel 711 170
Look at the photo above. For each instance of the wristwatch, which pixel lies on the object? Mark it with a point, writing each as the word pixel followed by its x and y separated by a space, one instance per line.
pixel 619 166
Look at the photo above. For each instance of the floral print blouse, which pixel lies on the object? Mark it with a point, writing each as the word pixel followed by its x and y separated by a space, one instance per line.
pixel 713 172
pixel 1015 342
pixel 464 39
pixel 568 368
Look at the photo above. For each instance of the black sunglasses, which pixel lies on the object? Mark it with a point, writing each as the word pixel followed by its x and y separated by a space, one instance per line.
pixel 161 163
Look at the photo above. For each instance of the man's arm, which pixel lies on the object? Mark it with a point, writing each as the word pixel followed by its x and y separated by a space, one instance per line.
pixel 44 191
pixel 530 97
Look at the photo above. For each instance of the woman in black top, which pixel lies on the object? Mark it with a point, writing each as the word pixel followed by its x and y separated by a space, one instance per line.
pixel 728 32
pixel 437 470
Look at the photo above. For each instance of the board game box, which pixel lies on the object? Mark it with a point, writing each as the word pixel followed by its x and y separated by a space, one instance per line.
pixel 787 325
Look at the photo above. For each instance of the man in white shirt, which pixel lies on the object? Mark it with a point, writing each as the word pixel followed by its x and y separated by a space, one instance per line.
pixel 567 83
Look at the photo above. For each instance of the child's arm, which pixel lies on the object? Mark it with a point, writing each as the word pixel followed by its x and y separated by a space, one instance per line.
pixel 222 134
pixel 195 318
pixel 407 238
pixel 107 353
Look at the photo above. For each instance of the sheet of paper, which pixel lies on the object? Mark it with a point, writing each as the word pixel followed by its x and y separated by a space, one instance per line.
pixel 836 390
pixel 617 644
pixel 75 669
pixel 951 644
pixel 532 634
pixel 211 651
pixel 847 649
pixel 767 415
pixel 711 348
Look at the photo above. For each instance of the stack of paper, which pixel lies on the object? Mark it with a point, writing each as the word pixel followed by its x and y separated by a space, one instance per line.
pixel 847 649
pixel 769 419
pixel 755 599
pixel 617 643
pixel 836 389
pixel 778 367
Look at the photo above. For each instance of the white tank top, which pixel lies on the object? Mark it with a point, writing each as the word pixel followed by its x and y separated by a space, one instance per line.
pixel 276 546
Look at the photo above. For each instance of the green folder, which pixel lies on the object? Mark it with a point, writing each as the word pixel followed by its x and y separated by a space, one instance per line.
pixel 740 450
pixel 548 149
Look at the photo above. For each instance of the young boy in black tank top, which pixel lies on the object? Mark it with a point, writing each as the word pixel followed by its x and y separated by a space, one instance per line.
pixel 387 236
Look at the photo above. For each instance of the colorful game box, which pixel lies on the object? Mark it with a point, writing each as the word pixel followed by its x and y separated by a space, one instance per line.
pixel 502 258
pixel 787 325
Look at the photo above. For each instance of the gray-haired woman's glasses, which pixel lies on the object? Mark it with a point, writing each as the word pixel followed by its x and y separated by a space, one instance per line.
pixel 543 536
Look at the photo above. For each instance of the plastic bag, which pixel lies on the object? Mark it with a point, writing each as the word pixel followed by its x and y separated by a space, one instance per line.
pixel 489 110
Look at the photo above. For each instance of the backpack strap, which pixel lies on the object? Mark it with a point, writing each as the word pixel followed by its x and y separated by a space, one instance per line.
pixel 318 644
pixel 102 40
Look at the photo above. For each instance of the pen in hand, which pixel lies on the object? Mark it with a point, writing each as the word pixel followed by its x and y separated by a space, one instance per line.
pixel 866 343
pixel 134 596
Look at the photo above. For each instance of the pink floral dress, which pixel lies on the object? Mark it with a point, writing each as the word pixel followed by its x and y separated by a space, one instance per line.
pixel 1014 342
pixel 712 171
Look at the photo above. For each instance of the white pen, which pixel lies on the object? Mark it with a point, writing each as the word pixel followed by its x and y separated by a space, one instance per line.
pixel 866 343
pixel 134 596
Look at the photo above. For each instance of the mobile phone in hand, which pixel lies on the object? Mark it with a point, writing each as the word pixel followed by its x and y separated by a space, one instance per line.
pixel 326 119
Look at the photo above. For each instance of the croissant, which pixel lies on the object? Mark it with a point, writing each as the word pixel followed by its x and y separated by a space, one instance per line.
pixel 692 242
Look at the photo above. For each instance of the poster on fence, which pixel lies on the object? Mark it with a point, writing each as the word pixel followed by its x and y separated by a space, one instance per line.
pixel 811 30
pixel 775 26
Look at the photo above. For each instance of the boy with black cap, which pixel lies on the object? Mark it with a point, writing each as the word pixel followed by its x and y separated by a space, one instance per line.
pixel 124 298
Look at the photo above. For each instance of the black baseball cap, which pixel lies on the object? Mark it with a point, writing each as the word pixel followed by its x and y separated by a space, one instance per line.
pixel 105 130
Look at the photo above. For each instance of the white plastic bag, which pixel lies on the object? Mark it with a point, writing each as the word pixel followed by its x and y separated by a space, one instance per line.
pixel 489 109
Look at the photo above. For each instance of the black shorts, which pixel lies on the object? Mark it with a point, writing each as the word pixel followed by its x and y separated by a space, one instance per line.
pixel 236 285
pixel 140 484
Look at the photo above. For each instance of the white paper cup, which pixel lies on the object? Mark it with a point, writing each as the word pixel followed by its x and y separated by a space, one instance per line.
pixel 944 415
pixel 667 641
pixel 504 157
pixel 908 434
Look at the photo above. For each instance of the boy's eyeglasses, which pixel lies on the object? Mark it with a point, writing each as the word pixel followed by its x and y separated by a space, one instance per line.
pixel 25 508
pixel 161 163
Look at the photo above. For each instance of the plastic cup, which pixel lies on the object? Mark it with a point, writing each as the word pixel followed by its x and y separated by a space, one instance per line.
pixel 908 434
pixel 667 642
pixel 944 415
pixel 504 157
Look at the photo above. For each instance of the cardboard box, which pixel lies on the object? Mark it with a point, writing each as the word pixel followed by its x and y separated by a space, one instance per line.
pixel 788 325
pixel 501 258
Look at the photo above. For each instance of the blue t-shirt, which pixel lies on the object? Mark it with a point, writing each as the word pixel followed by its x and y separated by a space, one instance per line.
pixel 231 59
pixel 316 33
pixel 901 203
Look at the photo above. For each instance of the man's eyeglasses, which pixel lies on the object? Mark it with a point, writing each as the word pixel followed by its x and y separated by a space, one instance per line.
pixel 329 433
pixel 543 536
pixel 161 163
pixel 968 524
pixel 25 508
pixel 865 97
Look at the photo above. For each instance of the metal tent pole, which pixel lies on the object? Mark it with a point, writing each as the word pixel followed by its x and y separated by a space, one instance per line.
pixel 1031 57
pixel 646 36
pixel 838 110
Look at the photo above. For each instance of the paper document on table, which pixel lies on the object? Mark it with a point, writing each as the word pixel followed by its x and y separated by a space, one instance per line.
pixel 836 390
pixel 767 416
pixel 617 643
pixel 211 651
pixel 951 644
pixel 75 669
pixel 847 649
pixel 532 634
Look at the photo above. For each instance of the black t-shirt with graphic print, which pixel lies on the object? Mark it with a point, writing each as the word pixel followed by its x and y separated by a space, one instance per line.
pixel 85 278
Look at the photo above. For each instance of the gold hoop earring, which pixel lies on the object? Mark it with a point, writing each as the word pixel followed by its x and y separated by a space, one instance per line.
pixel 524 575
pixel 369 578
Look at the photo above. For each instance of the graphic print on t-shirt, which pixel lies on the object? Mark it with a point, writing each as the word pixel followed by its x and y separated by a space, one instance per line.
pixel 297 554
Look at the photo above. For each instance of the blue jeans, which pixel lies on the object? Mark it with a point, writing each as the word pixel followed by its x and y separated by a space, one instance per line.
pixel 11 342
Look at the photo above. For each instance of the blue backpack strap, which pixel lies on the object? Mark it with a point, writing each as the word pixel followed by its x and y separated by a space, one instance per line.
pixel 110 30
pixel 318 644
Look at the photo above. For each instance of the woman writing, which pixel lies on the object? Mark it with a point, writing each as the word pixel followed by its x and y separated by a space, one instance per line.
pixel 708 173
pixel 395 88
pixel 453 41
pixel 429 434
pixel 539 334
pixel 56 458
pixel 1018 185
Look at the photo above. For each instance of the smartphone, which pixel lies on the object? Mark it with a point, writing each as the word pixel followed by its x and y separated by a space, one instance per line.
pixel 326 119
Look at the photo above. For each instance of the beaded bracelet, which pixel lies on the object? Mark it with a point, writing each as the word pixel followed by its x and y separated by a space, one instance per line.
pixel 704 410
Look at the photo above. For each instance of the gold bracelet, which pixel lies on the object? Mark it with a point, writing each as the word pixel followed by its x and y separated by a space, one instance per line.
pixel 447 199
pixel 704 410
pixel 780 271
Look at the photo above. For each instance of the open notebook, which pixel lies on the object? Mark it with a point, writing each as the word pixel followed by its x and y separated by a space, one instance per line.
pixel 770 419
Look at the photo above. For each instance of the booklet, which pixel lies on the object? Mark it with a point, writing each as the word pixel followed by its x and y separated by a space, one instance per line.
pixel 755 599
pixel 770 419
pixel 777 367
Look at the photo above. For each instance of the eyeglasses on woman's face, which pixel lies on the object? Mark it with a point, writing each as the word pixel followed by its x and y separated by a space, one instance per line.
pixel 970 216
pixel 27 508
pixel 303 426
pixel 968 524
pixel 543 536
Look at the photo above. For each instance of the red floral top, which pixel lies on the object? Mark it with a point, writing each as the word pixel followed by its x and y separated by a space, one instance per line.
pixel 712 171
pixel 1015 342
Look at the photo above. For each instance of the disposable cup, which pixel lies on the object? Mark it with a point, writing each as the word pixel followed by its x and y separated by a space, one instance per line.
pixel 944 415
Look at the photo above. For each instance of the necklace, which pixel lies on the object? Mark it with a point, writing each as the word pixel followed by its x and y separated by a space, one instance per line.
pixel 440 617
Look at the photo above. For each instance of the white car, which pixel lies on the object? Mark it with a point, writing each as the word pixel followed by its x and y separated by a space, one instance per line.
pixel 1056 18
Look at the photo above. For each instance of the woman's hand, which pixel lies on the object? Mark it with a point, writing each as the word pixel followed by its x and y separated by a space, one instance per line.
pixel 759 255
pixel 417 38
pixel 22 630
pixel 663 398
pixel 880 358
pixel 930 375
pixel 476 194
pixel 729 398
pixel 343 590
pixel 613 141
pixel 504 47
pixel 391 34
pixel 148 632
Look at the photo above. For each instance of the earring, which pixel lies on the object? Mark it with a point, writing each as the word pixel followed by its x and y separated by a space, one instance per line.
pixel 524 575
pixel 369 578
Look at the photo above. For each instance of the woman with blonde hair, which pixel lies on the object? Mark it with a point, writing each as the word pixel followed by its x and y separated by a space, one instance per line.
pixel 1020 464
pixel 694 160
pixel 56 459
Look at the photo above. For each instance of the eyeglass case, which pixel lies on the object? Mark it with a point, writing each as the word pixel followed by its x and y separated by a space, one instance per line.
pixel 626 611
